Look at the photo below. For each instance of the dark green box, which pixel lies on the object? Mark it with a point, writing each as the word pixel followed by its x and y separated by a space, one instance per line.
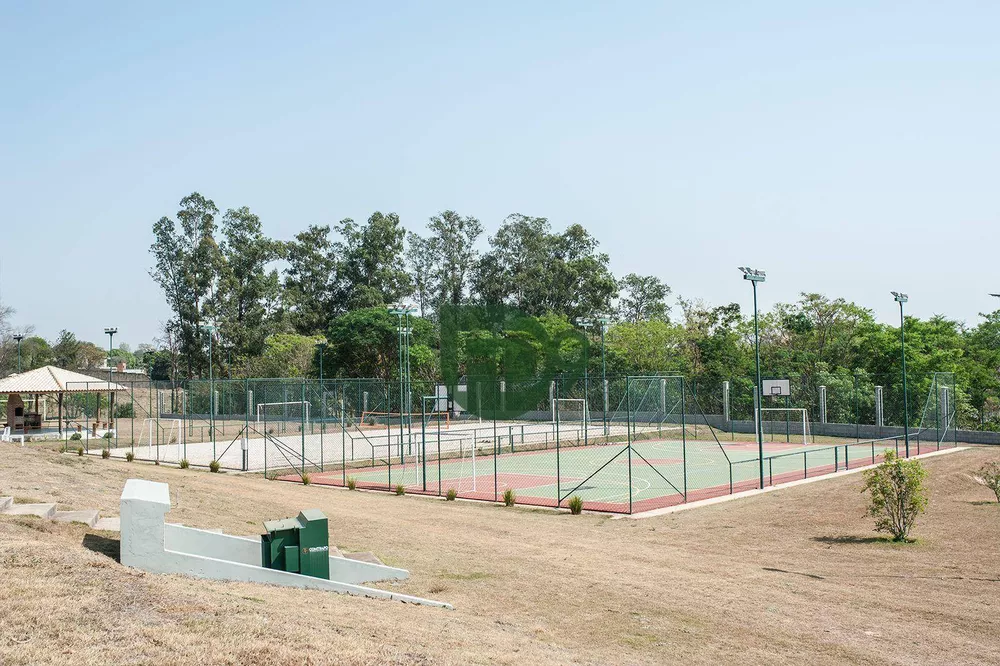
pixel 298 545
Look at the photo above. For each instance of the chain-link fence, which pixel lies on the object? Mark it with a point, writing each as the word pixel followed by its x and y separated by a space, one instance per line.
pixel 620 444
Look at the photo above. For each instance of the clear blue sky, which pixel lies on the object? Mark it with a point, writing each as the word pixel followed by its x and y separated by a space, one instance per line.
pixel 848 149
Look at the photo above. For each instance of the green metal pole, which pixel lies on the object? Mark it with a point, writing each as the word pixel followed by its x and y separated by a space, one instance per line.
pixel 423 443
pixel 757 396
pixel 19 338
pixel 604 384
pixel 322 407
pixel 628 438
pixel 906 405
pixel 684 456
pixel 211 395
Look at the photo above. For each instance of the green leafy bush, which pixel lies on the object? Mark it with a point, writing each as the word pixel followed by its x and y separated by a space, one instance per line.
pixel 306 479
pixel 214 466
pixel 124 411
pixel 400 489
pixel 509 497
pixel 352 483
pixel 76 437
pixel 897 493
pixel 105 453
pixel 989 476
pixel 108 435
pixel 79 450
pixel 129 457
pixel 575 505
pixel 184 463
pixel 451 495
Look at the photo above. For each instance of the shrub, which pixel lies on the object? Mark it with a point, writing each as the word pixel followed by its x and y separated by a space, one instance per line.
pixel 989 476
pixel 76 437
pixel 509 497
pixel 184 463
pixel 306 479
pixel 451 495
pixel 129 457
pixel 105 453
pixel 400 489
pixel 575 504
pixel 213 466
pixel 898 494
pixel 79 450
pixel 352 483
pixel 124 411
pixel 108 435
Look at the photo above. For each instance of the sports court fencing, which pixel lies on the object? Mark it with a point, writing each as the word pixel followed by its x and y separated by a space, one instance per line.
pixel 625 445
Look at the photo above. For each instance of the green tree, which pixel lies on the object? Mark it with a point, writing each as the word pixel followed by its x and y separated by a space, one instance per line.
pixel 365 343
pixel 452 246
pixel 249 288
pixel 186 263
pixel 310 293
pixel 643 298
pixel 371 261
pixel 537 272
pixel 896 494
pixel 35 353
pixel 66 351
pixel 286 355
pixel 421 257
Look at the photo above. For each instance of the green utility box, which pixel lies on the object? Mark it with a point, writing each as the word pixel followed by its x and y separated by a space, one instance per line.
pixel 299 545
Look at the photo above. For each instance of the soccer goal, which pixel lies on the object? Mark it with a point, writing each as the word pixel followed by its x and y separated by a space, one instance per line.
pixel 158 433
pixel 570 410
pixel 788 416
pixel 296 410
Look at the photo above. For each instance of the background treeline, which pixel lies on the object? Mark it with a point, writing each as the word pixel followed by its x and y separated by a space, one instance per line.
pixel 269 302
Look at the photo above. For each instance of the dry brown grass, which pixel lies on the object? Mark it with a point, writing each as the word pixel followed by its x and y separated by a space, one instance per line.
pixel 794 576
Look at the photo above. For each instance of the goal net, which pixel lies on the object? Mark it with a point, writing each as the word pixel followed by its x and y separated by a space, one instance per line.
pixel 791 423
pixel 296 411
pixel 570 411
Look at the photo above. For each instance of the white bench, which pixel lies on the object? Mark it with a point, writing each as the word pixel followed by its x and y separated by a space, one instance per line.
pixel 7 436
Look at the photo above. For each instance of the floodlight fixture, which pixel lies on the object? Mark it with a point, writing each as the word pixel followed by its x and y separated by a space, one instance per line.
pixel 900 296
pixel 753 274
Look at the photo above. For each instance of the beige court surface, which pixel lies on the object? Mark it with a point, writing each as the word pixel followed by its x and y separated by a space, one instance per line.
pixel 792 576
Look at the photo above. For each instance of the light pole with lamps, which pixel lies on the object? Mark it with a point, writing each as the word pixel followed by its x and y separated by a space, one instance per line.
pixel 19 338
pixel 603 320
pixel 322 395
pixel 586 323
pixel 755 276
pixel 111 330
pixel 403 355
pixel 208 328
pixel 901 298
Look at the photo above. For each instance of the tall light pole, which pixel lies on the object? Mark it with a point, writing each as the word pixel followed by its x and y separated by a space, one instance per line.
pixel 322 394
pixel 403 355
pixel 603 321
pixel 903 298
pixel 208 328
pixel 19 338
pixel 111 396
pixel 755 276
pixel 586 323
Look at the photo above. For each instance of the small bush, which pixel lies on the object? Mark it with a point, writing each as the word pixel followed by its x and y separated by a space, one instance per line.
pixel 76 437
pixel 105 453
pixel 184 463
pixel 129 457
pixel 352 483
pixel 124 411
pixel 989 476
pixel 575 504
pixel 898 495
pixel 79 450
pixel 451 495
pixel 509 497
pixel 306 479
pixel 400 489
pixel 108 435
pixel 214 466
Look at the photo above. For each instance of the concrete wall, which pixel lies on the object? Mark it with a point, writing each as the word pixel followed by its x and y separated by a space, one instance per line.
pixel 148 543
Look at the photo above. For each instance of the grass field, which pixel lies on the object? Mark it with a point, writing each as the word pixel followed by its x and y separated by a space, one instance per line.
pixel 793 576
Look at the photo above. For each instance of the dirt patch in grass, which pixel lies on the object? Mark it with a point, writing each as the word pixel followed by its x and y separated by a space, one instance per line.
pixel 790 577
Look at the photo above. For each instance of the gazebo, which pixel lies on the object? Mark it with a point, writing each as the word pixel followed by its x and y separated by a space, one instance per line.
pixel 48 380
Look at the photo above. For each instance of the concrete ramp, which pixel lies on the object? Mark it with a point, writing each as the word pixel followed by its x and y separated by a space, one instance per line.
pixel 149 543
